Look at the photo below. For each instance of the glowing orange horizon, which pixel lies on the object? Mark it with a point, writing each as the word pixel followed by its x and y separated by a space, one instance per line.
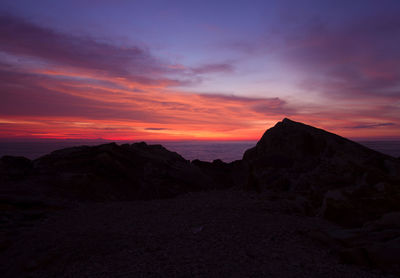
pixel 67 128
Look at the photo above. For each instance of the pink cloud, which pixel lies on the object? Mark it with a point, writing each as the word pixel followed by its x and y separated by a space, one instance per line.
pixel 357 60
pixel 83 88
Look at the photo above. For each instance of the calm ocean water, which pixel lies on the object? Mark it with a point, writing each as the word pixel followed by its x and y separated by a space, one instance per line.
pixel 207 151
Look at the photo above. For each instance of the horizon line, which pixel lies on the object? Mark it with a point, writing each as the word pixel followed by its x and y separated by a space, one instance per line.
pixel 33 139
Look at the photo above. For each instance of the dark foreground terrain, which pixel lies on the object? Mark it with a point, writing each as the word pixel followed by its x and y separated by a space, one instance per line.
pixel 302 203
pixel 214 234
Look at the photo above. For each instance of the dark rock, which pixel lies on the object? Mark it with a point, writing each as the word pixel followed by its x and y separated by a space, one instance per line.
pixel 387 221
pixel 224 175
pixel 14 167
pixel 377 244
pixel 352 207
pixel 340 178
pixel 343 182
pixel 110 172
pixel 385 254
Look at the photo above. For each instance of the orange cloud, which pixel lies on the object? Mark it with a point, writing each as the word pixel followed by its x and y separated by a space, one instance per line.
pixel 76 87
pixel 66 105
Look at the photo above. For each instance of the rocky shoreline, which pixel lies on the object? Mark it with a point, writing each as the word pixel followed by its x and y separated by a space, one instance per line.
pixel 295 171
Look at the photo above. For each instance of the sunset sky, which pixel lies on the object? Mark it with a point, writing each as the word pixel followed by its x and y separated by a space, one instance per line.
pixel 203 70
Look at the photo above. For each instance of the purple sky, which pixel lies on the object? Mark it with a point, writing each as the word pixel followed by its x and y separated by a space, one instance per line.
pixel 198 69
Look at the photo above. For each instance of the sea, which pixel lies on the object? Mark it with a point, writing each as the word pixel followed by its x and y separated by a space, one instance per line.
pixel 203 150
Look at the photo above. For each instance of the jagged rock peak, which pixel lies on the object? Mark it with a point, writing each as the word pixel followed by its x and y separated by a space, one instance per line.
pixel 305 141
pixel 288 123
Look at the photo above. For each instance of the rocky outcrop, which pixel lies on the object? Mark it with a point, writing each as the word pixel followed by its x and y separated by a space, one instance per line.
pixel 342 181
pixel 345 182
pixel 109 172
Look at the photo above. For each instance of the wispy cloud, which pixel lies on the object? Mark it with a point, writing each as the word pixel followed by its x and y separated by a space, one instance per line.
pixel 102 107
pixel 88 55
pixel 371 125
pixel 360 59
pixel 156 128
pixel 214 68
pixel 54 84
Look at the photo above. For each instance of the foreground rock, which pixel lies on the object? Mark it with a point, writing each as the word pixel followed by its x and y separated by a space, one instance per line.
pixel 376 244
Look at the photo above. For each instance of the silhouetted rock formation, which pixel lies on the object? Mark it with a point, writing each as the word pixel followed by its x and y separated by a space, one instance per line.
pixel 348 182
pixel 111 172
pixel 342 181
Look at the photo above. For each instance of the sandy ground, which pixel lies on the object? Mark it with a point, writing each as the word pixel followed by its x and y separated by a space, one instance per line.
pixel 206 234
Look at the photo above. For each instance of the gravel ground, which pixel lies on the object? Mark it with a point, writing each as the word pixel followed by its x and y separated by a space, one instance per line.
pixel 206 234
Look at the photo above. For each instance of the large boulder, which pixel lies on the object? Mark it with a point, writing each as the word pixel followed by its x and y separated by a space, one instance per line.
pixel 342 180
